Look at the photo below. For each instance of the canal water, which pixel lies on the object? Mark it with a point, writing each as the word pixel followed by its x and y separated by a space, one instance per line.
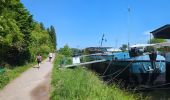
pixel 157 94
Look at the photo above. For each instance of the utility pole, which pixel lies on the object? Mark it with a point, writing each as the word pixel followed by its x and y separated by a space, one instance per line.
pixel 150 38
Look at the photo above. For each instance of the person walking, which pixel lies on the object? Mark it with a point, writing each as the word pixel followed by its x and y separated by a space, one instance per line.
pixel 39 59
pixel 50 56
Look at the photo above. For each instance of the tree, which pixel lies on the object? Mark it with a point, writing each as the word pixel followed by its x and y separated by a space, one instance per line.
pixel 52 34
pixel 124 47
pixel 66 51
pixel 11 41
pixel 76 51
pixel 11 36
pixel 155 40
pixel 20 34
pixel 42 26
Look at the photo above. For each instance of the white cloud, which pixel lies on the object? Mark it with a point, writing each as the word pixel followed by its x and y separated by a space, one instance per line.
pixel 147 32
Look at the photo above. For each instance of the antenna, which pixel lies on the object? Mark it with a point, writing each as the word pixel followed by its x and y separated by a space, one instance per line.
pixel 129 10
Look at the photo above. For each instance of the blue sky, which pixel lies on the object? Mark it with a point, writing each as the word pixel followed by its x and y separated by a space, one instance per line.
pixel 81 23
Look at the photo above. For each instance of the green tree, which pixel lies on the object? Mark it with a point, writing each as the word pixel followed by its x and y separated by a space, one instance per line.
pixel 124 47
pixel 155 40
pixel 21 38
pixel 11 37
pixel 40 42
pixel 76 51
pixel 11 40
pixel 66 51
pixel 42 26
pixel 52 34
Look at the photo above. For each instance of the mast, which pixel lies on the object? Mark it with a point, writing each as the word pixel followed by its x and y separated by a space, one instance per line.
pixel 128 22
pixel 103 38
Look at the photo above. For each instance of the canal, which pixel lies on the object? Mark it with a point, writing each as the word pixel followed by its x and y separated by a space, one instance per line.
pixel 157 94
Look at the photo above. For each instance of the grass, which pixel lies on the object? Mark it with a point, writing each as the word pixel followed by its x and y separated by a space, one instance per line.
pixel 82 84
pixel 11 74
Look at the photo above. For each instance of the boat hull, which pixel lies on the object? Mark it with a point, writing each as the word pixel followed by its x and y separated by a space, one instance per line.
pixel 134 71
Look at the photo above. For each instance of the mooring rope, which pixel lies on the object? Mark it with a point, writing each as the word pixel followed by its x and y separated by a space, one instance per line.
pixel 110 74
pixel 107 67
pixel 122 71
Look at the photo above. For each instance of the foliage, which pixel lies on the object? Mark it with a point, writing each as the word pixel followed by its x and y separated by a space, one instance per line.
pixel 52 34
pixel 62 60
pixel 39 42
pixel 42 26
pixel 155 40
pixel 81 84
pixel 11 37
pixel 164 49
pixel 124 47
pixel 21 38
pixel 150 49
pixel 76 51
pixel 66 51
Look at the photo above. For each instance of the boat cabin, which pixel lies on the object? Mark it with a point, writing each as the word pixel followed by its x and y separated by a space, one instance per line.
pixel 140 49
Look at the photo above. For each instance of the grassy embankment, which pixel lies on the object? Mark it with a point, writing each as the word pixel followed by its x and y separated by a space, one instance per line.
pixel 82 84
pixel 11 73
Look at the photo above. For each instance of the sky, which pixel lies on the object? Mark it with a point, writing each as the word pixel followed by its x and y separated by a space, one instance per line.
pixel 81 23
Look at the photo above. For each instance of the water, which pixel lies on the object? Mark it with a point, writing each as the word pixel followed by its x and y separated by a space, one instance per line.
pixel 159 94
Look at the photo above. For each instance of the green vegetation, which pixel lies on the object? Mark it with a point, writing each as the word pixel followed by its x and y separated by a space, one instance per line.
pixel 164 49
pixel 155 40
pixel 11 74
pixel 124 47
pixel 22 38
pixel 65 51
pixel 150 49
pixel 81 84
pixel 76 51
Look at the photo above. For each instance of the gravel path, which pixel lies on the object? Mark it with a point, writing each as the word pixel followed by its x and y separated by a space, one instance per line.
pixel 33 84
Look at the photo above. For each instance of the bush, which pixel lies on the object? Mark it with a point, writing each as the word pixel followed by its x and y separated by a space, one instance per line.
pixel 4 79
pixel 66 51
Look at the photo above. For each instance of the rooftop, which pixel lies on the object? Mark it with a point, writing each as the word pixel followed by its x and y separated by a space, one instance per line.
pixel 162 32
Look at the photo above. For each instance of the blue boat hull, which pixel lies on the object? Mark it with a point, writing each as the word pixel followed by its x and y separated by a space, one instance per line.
pixel 136 70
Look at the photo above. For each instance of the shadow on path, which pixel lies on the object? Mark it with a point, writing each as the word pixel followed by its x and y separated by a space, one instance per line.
pixel 41 92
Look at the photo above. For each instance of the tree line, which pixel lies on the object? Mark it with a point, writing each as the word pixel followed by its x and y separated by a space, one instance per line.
pixel 21 37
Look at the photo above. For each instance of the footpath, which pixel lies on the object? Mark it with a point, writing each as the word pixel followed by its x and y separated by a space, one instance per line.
pixel 33 84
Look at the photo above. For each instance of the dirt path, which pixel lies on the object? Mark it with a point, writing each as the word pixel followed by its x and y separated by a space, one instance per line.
pixel 33 84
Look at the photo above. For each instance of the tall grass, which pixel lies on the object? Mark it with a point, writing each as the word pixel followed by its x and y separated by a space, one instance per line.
pixel 82 84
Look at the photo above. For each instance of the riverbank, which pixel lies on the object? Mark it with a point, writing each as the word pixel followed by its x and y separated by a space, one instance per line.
pixel 10 74
pixel 82 84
